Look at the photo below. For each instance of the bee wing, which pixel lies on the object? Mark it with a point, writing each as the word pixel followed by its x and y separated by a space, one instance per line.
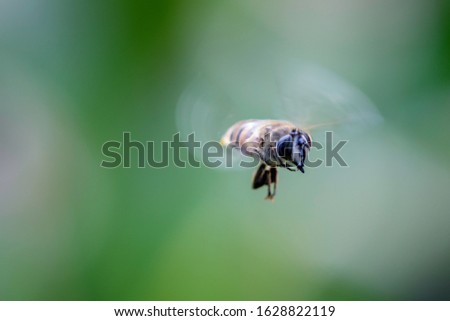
pixel 305 94
pixel 207 109
pixel 316 98
pixel 204 110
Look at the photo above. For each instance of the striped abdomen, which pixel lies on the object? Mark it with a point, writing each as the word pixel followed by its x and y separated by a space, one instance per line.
pixel 255 130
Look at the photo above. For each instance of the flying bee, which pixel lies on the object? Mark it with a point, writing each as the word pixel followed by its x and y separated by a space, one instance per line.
pixel 276 143
pixel 307 95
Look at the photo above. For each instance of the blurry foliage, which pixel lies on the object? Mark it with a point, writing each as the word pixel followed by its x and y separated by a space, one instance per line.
pixel 75 74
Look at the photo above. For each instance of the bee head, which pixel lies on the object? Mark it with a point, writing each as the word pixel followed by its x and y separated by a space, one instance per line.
pixel 293 148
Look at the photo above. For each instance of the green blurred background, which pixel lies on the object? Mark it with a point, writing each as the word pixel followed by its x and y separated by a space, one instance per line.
pixel 74 74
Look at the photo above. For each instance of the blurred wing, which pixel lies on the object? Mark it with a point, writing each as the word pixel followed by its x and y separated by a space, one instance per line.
pixel 305 94
pixel 207 109
pixel 315 98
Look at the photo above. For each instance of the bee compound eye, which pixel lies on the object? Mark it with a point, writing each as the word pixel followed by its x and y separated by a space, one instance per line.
pixel 284 146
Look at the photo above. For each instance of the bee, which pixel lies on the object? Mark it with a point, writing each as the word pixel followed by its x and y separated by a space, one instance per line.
pixel 308 95
pixel 276 143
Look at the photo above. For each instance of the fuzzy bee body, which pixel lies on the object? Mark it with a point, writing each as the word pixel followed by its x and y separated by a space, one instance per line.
pixel 277 143
pixel 309 96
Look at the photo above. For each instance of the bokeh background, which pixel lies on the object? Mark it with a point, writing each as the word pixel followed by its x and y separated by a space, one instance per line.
pixel 74 74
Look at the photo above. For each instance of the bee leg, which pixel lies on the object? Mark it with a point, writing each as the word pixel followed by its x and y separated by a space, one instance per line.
pixel 265 175
pixel 260 177
pixel 269 185
pixel 274 178
pixel 290 169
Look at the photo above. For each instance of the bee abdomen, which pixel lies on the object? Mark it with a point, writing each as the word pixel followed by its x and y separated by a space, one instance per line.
pixel 240 133
pixel 254 131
